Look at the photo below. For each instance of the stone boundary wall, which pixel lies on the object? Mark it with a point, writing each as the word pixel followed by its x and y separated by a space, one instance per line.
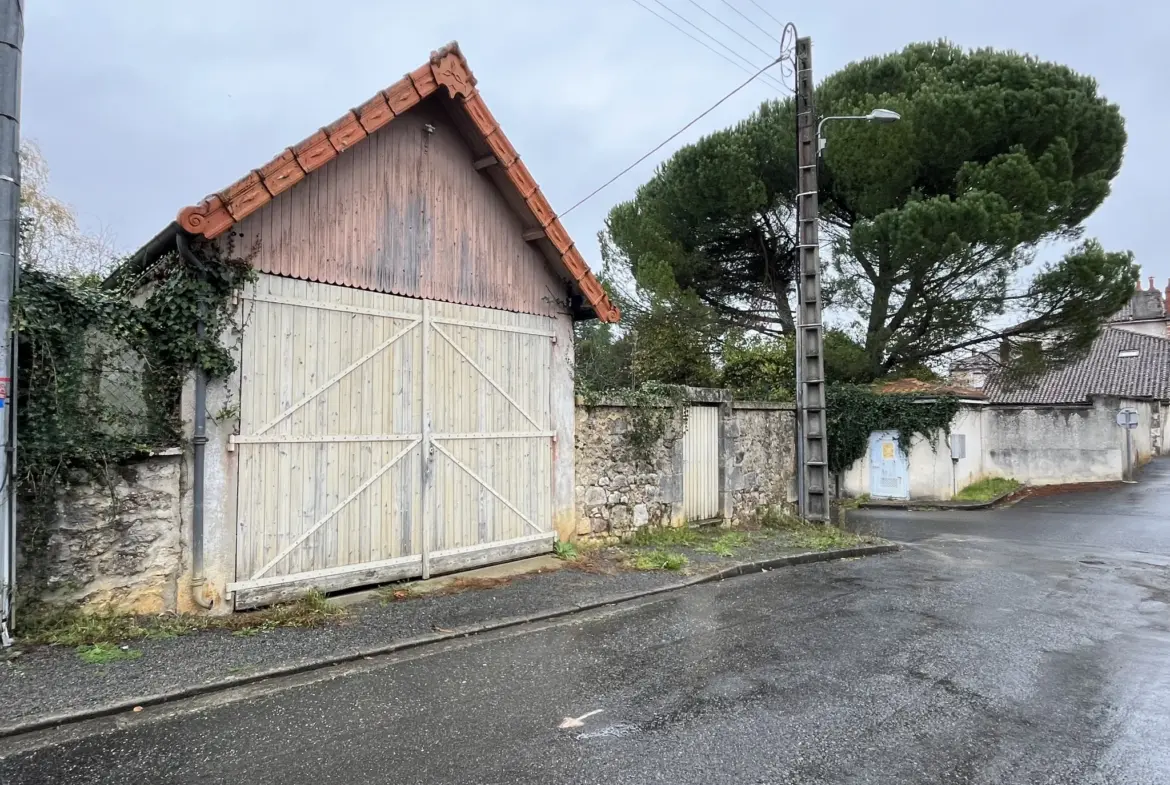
pixel 619 490
pixel 115 542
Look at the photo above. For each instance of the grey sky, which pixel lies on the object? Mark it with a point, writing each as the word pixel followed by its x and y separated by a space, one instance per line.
pixel 144 106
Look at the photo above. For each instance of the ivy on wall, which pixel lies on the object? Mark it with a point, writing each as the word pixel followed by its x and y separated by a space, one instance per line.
pixel 855 411
pixel 101 370
pixel 651 409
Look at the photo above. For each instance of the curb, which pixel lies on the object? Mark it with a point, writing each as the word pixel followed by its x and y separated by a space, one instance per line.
pixel 743 568
pixel 926 504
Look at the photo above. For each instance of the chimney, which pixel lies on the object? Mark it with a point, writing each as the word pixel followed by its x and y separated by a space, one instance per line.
pixel 1166 299
pixel 1152 287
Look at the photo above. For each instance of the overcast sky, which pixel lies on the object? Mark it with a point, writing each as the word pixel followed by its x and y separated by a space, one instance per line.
pixel 142 106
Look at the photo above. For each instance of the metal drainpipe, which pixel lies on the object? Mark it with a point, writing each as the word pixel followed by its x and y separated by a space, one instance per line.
pixel 199 443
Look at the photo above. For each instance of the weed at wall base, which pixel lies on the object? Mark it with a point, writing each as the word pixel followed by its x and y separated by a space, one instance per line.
pixel 68 626
pixel 659 560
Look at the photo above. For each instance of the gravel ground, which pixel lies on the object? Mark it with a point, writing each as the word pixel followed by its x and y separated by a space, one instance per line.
pixel 44 681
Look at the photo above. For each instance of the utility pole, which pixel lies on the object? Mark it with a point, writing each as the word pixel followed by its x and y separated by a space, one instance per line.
pixel 812 443
pixel 11 41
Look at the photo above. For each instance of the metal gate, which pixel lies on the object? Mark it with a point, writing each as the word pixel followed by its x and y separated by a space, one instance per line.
pixel 701 463
pixel 384 437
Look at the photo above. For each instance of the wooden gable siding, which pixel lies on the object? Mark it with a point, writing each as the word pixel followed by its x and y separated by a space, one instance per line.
pixel 405 212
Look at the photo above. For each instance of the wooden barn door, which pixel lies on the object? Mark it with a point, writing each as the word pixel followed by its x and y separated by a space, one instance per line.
pixel 488 492
pixel 385 437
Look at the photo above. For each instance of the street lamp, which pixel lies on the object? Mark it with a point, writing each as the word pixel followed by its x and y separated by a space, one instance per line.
pixel 876 116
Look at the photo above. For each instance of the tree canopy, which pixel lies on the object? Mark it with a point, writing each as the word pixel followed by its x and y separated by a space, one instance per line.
pixel 931 225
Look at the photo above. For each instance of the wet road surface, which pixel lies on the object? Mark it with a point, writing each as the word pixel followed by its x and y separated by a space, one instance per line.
pixel 1029 645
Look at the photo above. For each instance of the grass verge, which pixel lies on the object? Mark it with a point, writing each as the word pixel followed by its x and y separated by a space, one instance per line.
pixel 987 489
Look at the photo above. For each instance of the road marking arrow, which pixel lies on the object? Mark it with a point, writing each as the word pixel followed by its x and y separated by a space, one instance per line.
pixel 577 722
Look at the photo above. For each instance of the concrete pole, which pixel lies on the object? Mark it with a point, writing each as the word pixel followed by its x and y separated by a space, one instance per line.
pixel 812 448
pixel 11 41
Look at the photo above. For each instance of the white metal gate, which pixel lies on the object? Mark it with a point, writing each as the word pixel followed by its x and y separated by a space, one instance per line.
pixel 701 463
pixel 384 437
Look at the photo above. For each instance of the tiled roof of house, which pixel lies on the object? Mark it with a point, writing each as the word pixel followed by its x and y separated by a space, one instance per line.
pixel 447 69
pixel 1120 363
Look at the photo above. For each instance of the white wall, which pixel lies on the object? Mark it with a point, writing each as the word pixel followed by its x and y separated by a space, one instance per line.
pixel 1048 445
pixel 933 475
pixel 1142 437
pixel 854 481
pixel 1037 445
pixel 1160 431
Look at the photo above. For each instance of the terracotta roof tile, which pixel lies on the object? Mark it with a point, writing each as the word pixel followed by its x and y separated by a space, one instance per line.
pixel 446 68
pixel 919 387
pixel 282 172
pixel 374 113
pixel 315 152
pixel 401 95
pixel 423 79
pixel 345 132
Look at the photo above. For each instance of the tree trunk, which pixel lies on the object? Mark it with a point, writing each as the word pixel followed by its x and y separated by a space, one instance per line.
pixel 784 312
pixel 875 334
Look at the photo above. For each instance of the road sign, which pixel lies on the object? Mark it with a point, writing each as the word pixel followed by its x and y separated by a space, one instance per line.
pixel 1128 418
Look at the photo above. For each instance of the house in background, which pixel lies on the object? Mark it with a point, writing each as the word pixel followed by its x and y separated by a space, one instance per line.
pixel 1059 428
pixel 1063 427
pixel 1147 312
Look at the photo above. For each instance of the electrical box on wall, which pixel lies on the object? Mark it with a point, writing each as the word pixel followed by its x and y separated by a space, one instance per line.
pixel 958 446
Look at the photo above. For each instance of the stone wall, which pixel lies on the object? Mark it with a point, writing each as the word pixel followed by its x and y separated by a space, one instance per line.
pixel 113 542
pixel 620 489
pixel 760 440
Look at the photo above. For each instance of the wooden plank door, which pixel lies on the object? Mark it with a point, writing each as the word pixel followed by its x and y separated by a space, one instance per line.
pixel 330 431
pixel 489 437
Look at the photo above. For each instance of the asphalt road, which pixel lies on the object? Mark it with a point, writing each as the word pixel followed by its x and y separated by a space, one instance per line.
pixel 1028 645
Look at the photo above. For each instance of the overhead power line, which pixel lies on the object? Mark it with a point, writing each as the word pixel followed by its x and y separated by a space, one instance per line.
pixel 765 10
pixel 751 21
pixel 759 48
pixel 777 86
pixel 670 138
pixel 740 66
pixel 751 65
